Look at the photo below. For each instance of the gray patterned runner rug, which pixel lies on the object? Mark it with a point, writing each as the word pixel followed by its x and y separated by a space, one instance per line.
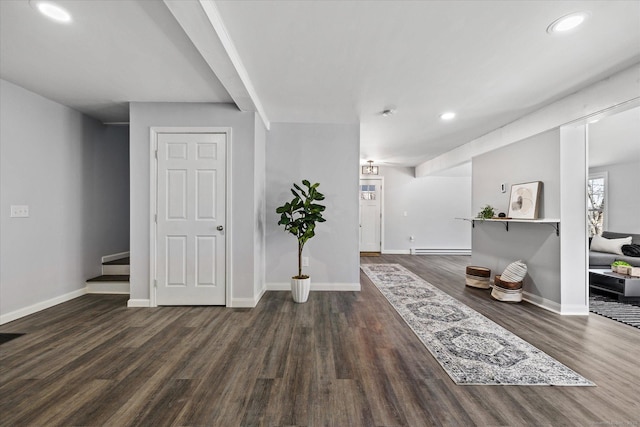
pixel 472 349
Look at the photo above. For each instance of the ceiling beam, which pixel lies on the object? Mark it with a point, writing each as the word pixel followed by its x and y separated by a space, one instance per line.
pixel 618 90
pixel 202 23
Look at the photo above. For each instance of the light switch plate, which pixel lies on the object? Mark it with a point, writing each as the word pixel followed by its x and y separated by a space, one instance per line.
pixel 19 211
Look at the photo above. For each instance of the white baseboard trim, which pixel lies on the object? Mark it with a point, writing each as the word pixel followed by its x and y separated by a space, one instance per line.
pixel 235 302
pixel 108 287
pixel 261 294
pixel 347 287
pixel 17 314
pixel 247 302
pixel 396 251
pixel 417 251
pixel 243 303
pixel 278 286
pixel 541 302
pixel 114 257
pixel 574 310
pixel 564 310
pixel 138 303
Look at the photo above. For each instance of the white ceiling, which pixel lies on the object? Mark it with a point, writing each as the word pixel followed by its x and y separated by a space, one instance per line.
pixel 329 61
pixel 615 139
pixel 114 52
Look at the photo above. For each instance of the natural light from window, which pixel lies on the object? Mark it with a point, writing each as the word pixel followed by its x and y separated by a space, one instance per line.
pixel 596 193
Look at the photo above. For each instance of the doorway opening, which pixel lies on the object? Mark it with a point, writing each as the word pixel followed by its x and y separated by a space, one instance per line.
pixel 371 216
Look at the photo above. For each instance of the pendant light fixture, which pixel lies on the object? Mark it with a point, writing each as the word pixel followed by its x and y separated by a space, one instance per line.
pixel 370 169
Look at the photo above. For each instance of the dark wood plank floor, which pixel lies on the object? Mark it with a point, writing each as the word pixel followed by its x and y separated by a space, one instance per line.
pixel 342 359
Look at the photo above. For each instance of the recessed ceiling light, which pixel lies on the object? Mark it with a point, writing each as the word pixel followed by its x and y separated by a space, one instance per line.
pixel 448 115
pixel 567 23
pixel 52 11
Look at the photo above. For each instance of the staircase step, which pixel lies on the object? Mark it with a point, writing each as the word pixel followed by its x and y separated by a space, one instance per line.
pixel 115 269
pixel 108 284
pixel 110 278
pixel 121 261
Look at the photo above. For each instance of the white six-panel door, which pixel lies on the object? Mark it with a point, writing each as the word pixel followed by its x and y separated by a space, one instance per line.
pixel 190 235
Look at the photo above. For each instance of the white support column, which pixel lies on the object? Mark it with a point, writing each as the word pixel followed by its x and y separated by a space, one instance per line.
pixel 574 278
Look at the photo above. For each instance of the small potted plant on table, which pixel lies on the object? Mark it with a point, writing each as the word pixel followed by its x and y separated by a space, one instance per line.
pixel 487 212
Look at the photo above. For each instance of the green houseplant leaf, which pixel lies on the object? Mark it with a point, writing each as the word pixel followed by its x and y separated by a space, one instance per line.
pixel 300 215
pixel 487 212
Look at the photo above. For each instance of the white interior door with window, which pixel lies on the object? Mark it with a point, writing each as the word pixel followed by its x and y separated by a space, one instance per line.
pixel 371 215
pixel 190 219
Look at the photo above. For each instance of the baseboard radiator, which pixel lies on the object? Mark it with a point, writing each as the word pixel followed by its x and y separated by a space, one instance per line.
pixel 424 251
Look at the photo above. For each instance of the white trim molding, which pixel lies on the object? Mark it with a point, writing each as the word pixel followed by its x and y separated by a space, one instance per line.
pixel 574 310
pixel 243 303
pixel 616 90
pixel 154 131
pixel 108 288
pixel 43 305
pixel 382 186
pixel 247 302
pixel 554 307
pixel 113 257
pixel 139 303
pixel 541 302
pixel 574 248
pixel 424 251
pixel 203 24
pixel 562 309
pixel 396 251
pixel 340 287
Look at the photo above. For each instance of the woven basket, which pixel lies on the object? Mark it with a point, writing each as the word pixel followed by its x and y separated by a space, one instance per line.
pixel 506 285
pixel 502 293
pixel 478 277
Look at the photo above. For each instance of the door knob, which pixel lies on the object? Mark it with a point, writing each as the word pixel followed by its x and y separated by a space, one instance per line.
pixel 219 228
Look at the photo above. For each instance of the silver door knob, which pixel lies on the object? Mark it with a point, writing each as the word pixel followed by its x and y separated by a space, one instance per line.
pixel 219 228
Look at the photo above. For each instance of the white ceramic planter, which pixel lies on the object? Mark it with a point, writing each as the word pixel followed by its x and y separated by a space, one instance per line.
pixel 300 289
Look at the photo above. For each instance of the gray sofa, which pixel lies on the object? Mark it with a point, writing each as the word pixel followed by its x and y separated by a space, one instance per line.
pixel 604 259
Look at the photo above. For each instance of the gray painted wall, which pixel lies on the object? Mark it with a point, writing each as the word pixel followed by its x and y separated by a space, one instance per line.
pixel 431 204
pixel 623 198
pixel 110 195
pixel 533 159
pixel 242 148
pixel 328 154
pixel 72 171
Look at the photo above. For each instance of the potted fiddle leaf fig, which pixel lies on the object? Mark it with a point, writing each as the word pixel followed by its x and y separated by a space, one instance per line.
pixel 299 217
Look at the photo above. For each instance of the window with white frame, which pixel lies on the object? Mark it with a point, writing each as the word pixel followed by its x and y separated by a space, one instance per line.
pixel 596 203
pixel 368 192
